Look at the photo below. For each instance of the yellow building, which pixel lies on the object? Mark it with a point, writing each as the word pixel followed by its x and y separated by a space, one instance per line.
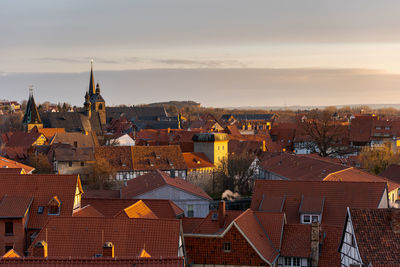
pixel 213 145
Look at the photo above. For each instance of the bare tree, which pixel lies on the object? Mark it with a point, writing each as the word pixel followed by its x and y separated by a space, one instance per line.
pixel 327 135
pixel 102 175
pixel 376 159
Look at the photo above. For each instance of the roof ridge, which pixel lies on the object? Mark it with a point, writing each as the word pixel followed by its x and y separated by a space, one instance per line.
pixel 333 173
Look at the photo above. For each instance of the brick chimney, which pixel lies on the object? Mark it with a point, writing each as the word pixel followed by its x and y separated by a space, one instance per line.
pixel 314 243
pixel 40 249
pixel 108 250
pixel 221 213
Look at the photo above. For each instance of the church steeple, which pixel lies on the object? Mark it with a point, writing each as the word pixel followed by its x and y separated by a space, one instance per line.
pixel 31 117
pixel 92 89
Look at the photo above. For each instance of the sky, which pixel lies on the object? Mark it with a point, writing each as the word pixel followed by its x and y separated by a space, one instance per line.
pixel 217 52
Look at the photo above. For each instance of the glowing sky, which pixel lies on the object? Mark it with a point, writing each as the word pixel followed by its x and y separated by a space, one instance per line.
pixel 61 37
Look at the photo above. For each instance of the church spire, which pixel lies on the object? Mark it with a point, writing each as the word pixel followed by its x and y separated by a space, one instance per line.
pixel 31 117
pixel 92 89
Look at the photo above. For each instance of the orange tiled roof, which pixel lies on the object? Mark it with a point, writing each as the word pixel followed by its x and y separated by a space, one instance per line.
pixel 210 226
pixel 22 139
pixel 190 223
pixel 162 208
pixel 158 157
pixel 355 175
pixel 42 187
pixel 119 157
pixel 153 180
pixel 329 255
pixel 11 164
pixel 197 160
pixel 85 236
pixel 137 210
pixel 50 132
pixel 335 204
pixel 87 211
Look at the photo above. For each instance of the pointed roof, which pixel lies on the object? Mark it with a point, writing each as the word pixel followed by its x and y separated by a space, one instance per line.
pixel 137 210
pixel 31 113
pixel 11 254
pixel 144 254
pixel 92 88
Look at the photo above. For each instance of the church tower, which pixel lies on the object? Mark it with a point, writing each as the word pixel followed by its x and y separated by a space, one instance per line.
pixel 97 102
pixel 31 117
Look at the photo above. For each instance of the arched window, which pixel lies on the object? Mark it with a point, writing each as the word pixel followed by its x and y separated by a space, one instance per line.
pixel 100 106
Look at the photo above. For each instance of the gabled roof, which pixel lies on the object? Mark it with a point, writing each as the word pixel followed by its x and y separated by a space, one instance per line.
pixel 355 175
pixel 158 157
pixel 392 172
pixel 85 236
pixel 377 235
pixel 137 210
pixel 209 225
pixel 66 152
pixel 42 188
pixel 23 139
pixel 14 206
pixel 197 160
pixel 50 132
pixel 295 167
pixel 156 179
pixel 162 208
pixel 82 140
pixel 87 211
pixel 335 204
pixel 11 254
pixel 11 164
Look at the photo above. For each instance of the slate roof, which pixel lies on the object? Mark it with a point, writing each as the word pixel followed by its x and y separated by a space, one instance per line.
pixel 14 206
pixel 338 196
pixel 136 113
pixel 42 187
pixel 197 160
pixel 85 236
pixel 11 164
pixel 31 113
pixel 156 179
pixel 73 121
pixel 162 208
pixel 69 153
pixel 375 236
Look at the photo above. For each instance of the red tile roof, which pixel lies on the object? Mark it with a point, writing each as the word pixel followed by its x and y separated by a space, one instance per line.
pixel 87 211
pixel 11 164
pixel 14 206
pixel 295 167
pixel 296 240
pixel 137 210
pixel 42 187
pixel 85 237
pixel 338 196
pixel 329 255
pixel 392 172
pixel 355 175
pixel 90 262
pixel 119 157
pixel 162 208
pixel 197 160
pixel 210 226
pixel 23 139
pixel 156 179
pixel 375 236
pixel 158 157
pixel 361 128
pixel 263 230
pixel 190 223
pixel 101 194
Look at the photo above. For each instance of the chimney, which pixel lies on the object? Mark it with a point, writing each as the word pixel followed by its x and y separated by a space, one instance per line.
pixel 168 130
pixel 221 213
pixel 40 249
pixel 314 243
pixel 108 250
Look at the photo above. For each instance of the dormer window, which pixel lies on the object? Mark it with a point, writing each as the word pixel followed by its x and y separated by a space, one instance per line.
pixel 54 206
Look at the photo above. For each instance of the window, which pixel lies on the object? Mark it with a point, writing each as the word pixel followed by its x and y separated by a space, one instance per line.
pixel 288 261
pixel 227 247
pixel 378 127
pixel 387 128
pixel 75 144
pixel 306 219
pixel 40 210
pixel 82 163
pixel 9 228
pixel 54 210
pixel 70 163
pixel 315 218
pixel 218 147
pixel 8 247
pixel 190 211
pixel 296 261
